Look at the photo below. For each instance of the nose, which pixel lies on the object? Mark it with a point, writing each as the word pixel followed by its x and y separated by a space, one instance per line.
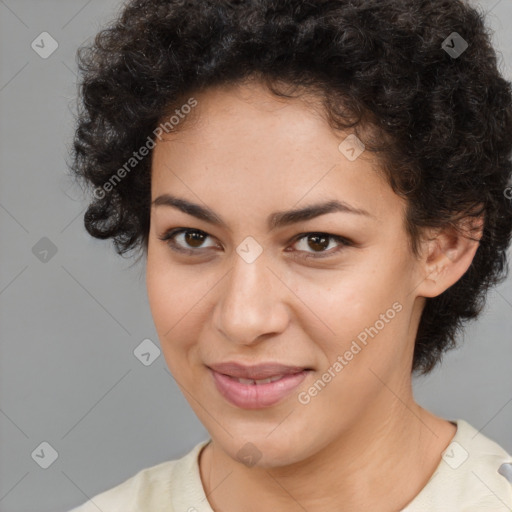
pixel 252 303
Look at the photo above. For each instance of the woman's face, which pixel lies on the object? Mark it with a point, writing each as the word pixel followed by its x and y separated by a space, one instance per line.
pixel 250 291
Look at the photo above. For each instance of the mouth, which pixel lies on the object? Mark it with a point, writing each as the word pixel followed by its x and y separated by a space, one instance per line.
pixel 258 393
pixel 256 382
pixel 259 373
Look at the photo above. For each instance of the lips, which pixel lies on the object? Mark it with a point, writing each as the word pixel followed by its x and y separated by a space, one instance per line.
pixel 256 386
pixel 259 372
pixel 248 394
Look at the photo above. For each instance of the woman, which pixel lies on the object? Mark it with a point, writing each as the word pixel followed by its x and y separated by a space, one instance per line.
pixel 319 189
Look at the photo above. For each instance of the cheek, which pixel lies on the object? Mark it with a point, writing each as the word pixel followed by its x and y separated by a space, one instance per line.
pixel 363 314
pixel 170 292
pixel 165 295
pixel 175 296
pixel 345 299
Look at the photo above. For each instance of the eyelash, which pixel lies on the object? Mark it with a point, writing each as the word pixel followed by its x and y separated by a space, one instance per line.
pixel 169 236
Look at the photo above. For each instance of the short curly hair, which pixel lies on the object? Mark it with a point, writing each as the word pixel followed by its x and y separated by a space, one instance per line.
pixel 441 122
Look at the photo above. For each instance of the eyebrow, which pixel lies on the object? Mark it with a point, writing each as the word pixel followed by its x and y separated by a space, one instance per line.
pixel 274 220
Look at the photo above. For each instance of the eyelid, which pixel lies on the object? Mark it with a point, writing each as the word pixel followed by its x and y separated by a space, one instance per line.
pixel 169 235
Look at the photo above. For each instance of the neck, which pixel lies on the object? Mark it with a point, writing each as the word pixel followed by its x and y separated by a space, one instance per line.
pixel 395 442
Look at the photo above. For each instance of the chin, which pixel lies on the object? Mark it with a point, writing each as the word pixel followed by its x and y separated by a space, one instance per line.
pixel 264 450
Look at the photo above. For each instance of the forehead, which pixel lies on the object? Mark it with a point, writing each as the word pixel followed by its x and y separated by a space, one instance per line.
pixel 245 145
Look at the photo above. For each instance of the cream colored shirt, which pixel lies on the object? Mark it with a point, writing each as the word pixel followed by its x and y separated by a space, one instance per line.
pixel 474 474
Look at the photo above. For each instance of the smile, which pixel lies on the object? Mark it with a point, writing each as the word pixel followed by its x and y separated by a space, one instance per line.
pixel 257 394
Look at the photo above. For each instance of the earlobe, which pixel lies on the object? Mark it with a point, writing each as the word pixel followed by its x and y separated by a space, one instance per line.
pixel 447 255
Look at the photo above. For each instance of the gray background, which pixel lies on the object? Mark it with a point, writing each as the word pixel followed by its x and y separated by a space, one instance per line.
pixel 69 325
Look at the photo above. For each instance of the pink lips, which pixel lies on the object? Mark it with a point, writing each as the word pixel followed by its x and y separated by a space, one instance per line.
pixel 251 395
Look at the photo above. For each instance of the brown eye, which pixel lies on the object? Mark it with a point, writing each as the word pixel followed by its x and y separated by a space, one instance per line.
pixel 190 239
pixel 319 243
pixel 194 238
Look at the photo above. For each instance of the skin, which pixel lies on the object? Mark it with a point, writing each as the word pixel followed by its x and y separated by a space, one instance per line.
pixel 245 154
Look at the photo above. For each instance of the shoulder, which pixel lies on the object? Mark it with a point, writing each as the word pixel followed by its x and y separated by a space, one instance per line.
pixel 488 475
pixel 154 489
pixel 475 473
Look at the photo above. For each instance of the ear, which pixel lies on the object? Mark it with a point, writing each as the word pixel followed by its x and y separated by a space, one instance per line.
pixel 447 254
